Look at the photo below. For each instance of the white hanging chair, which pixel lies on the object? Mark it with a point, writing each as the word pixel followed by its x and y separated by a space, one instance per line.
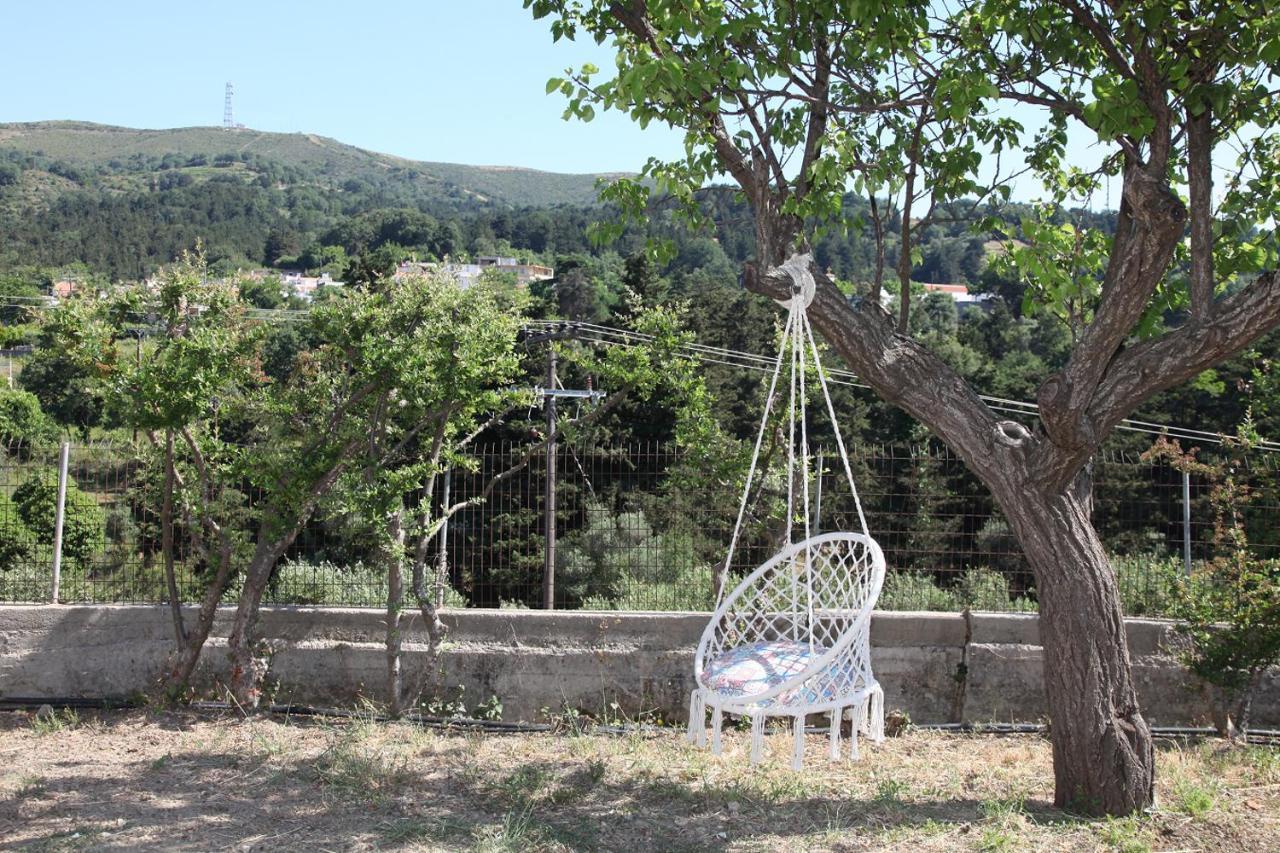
pixel 793 638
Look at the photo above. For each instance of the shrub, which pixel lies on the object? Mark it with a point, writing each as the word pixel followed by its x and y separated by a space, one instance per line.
pixel 16 539
pixel 1230 607
pixel 83 521
pixel 326 584
pixel 619 562
pixel 984 589
pixel 907 590
pixel 23 424
pixel 999 547
pixel 693 589
pixel 1148 583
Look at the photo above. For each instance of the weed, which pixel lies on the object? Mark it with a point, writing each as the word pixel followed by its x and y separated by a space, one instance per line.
pixel 523 785
pixel 1123 835
pixel 890 790
pixel 48 721
pixel 568 720
pixel 358 769
pixel 996 841
pixel 1193 799
pixel 516 834
pixel 31 787
pixel 490 709
pixel 1004 808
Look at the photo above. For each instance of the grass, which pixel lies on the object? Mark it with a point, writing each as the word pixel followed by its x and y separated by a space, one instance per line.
pixel 54 721
pixel 140 779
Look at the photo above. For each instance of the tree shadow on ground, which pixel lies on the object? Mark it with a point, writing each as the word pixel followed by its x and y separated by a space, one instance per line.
pixel 351 795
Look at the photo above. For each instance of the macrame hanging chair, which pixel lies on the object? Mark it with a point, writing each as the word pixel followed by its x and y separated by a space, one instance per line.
pixel 793 638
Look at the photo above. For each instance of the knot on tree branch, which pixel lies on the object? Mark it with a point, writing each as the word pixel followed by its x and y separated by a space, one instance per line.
pixel 1011 434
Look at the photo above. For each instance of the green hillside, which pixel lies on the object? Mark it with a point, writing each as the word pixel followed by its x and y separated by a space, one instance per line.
pixel 122 202
pixel 95 146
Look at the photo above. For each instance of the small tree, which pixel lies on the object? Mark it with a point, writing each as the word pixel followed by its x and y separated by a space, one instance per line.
pixel 1230 606
pixel 23 424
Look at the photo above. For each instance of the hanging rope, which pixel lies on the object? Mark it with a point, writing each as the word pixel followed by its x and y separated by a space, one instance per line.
pixel 831 411
pixel 755 458
pixel 798 344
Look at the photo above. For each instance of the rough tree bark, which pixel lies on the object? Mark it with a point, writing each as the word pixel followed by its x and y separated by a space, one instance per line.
pixel 1103 759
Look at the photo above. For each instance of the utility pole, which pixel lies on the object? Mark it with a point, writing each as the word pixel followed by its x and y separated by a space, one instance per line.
pixel 550 394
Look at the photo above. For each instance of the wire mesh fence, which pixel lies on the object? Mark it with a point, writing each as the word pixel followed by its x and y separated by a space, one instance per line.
pixel 637 528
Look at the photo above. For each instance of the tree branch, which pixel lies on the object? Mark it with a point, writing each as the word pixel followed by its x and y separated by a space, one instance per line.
pixel 1200 181
pixel 1152 366
pixel 1150 224
pixel 902 371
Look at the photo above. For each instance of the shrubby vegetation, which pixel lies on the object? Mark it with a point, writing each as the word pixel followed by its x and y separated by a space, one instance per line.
pixel 83 533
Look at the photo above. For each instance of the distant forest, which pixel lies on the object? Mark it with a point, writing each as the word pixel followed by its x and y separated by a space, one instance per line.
pixel 123 218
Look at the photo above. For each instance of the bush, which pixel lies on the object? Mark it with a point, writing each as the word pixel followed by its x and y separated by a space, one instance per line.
pixel 23 424
pixel 83 522
pixel 1148 583
pixel 998 546
pixel 984 589
pixel 693 589
pixel 906 590
pixel 16 539
pixel 326 584
pixel 619 562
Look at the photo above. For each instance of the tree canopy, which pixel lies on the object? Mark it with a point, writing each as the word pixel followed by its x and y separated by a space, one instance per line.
pixel 797 101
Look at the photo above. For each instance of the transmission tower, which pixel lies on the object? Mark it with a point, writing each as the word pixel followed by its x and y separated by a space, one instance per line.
pixel 228 123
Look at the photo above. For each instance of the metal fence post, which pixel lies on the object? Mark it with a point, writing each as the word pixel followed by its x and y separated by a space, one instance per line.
pixel 1186 522
pixel 58 514
pixel 549 553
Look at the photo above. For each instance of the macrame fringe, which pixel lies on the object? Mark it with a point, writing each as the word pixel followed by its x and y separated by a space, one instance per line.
pixel 697 718
pixel 797 755
pixel 757 736
pixel 876 727
pixel 837 720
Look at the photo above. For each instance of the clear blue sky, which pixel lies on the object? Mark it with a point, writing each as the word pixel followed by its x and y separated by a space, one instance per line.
pixel 449 80
pixel 461 81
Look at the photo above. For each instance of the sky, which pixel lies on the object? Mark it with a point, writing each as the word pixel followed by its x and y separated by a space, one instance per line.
pixel 460 81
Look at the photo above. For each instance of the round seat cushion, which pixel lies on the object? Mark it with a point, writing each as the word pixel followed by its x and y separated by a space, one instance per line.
pixel 754 668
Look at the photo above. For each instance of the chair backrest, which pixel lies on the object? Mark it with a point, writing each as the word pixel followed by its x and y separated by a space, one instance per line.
pixel 815 591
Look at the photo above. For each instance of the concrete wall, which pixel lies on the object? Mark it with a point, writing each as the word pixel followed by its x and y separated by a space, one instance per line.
pixel 939 667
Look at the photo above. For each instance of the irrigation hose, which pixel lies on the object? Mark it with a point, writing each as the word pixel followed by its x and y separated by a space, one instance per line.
pixel 1258 737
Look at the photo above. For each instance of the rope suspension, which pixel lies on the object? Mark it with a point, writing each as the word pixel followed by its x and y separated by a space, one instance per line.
pixel 799 348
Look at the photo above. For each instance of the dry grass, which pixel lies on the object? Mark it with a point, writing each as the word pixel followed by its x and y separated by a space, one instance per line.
pixel 199 782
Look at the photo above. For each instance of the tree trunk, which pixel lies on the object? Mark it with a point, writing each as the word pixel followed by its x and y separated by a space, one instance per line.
pixel 189 655
pixel 166 545
pixel 247 668
pixel 1103 759
pixel 394 555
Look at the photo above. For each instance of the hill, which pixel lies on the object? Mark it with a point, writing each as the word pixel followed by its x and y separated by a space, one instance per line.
pixel 91 147
pixel 122 201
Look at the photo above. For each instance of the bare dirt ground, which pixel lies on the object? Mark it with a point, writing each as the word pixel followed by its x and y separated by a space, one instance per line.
pixel 188 781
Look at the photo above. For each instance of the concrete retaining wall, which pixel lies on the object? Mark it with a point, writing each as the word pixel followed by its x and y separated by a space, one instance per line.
pixel 939 667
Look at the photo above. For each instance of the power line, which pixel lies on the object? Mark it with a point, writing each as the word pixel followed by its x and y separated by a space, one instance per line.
pixel 611 336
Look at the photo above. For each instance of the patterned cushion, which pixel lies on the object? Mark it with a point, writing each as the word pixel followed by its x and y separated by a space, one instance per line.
pixel 757 667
